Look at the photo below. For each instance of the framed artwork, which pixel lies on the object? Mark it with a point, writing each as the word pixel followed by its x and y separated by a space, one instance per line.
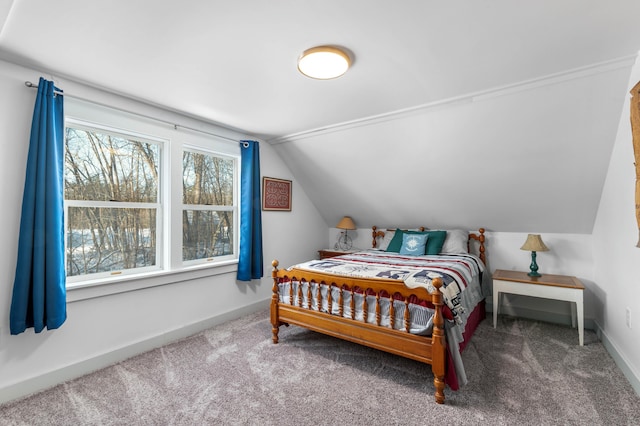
pixel 276 194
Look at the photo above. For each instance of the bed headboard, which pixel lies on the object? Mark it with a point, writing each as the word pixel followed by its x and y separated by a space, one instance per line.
pixel 477 236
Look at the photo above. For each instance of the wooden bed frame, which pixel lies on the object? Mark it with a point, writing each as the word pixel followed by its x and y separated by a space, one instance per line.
pixel 430 350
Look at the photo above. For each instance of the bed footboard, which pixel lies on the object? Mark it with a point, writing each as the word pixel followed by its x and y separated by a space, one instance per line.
pixel 430 350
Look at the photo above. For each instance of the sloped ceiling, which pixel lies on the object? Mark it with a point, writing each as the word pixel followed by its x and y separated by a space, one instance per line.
pixel 532 90
pixel 529 159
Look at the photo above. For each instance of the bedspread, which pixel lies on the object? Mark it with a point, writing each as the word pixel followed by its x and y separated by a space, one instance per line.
pixel 458 272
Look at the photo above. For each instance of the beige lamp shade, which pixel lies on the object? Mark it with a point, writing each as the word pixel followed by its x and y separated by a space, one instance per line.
pixel 534 243
pixel 346 223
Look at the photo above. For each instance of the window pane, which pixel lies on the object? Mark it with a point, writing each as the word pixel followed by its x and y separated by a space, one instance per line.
pixel 105 167
pixel 206 234
pixel 207 179
pixel 110 239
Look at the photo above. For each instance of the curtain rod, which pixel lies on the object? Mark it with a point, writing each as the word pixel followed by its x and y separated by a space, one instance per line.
pixel 175 126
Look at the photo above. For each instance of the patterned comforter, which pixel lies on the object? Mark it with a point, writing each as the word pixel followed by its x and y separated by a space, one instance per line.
pixel 457 271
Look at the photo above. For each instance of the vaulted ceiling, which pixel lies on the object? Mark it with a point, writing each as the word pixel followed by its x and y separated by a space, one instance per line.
pixel 432 82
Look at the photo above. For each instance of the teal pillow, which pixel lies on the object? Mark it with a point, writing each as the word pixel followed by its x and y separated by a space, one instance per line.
pixel 414 244
pixel 396 241
pixel 434 242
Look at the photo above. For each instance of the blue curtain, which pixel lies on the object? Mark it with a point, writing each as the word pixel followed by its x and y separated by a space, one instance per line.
pixel 250 264
pixel 39 291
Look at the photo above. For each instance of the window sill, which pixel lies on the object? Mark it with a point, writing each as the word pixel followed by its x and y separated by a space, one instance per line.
pixel 105 287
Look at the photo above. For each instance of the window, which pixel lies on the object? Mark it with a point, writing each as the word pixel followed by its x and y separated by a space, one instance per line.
pixel 145 198
pixel 208 214
pixel 112 201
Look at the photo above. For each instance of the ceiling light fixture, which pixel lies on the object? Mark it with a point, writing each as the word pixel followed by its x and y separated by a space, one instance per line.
pixel 324 62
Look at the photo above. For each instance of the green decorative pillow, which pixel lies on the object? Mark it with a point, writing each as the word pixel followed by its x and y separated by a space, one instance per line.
pixel 414 244
pixel 396 241
pixel 434 242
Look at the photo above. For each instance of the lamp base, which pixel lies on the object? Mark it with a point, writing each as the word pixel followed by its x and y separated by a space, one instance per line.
pixel 344 242
pixel 533 266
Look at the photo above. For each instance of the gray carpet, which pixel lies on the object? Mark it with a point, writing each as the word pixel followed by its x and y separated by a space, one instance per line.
pixel 525 372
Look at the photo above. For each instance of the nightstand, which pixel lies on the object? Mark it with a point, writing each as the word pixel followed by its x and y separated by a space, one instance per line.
pixel 558 287
pixel 325 253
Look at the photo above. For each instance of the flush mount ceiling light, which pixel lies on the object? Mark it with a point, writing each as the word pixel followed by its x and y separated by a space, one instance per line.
pixel 323 62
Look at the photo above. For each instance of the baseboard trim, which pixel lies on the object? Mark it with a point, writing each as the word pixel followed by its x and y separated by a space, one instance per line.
pixel 621 361
pixel 53 378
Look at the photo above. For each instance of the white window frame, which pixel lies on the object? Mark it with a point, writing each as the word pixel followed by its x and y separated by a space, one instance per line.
pixel 173 141
pixel 159 205
pixel 235 207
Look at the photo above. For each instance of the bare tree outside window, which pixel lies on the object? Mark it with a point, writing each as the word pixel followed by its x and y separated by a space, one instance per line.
pixel 111 193
pixel 207 217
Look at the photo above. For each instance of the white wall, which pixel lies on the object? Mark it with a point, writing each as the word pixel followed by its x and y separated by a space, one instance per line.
pixel 615 235
pixel 105 329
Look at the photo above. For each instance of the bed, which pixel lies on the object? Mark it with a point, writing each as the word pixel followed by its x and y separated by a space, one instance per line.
pixel 420 306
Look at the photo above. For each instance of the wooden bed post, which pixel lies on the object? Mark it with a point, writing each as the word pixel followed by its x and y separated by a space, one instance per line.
pixel 275 321
pixel 374 235
pixel 438 343
pixel 481 249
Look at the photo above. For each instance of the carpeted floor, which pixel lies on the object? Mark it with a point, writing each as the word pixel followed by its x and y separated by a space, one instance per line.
pixel 525 372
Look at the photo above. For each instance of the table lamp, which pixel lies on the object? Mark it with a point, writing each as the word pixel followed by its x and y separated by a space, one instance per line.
pixel 534 244
pixel 346 223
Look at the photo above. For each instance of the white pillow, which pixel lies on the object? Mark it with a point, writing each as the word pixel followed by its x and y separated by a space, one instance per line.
pixel 388 236
pixel 456 242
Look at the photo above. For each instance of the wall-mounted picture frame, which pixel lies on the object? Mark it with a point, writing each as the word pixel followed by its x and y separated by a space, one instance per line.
pixel 276 194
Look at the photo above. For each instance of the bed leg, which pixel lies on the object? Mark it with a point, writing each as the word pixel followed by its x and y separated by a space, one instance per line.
pixel 274 325
pixel 438 343
pixel 275 319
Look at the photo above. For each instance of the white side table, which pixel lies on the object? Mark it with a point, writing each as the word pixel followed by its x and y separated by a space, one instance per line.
pixel 558 287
